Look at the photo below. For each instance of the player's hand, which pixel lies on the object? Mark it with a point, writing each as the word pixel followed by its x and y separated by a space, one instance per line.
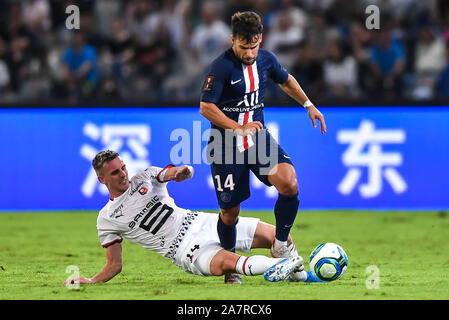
pixel 249 129
pixel 184 172
pixel 81 280
pixel 315 114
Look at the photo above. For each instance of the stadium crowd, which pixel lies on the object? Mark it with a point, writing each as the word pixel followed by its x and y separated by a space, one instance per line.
pixel 157 51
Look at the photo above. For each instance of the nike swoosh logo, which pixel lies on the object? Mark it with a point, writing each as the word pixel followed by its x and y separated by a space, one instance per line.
pixel 286 157
pixel 234 82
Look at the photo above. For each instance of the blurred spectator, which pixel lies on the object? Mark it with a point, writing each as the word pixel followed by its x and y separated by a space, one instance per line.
pixel 442 85
pixel 340 73
pixel 297 14
pixel 36 15
pixel 175 15
pixel 143 21
pixel 24 53
pixel 121 47
pixel 157 50
pixel 284 38
pixel 320 34
pixel 361 39
pixel 4 76
pixel 4 72
pixel 211 37
pixel 106 11
pixel 308 71
pixel 80 68
pixel 154 52
pixel 116 61
pixel 387 58
pixel 430 59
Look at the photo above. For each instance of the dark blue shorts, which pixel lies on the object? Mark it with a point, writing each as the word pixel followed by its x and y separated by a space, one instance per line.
pixel 231 173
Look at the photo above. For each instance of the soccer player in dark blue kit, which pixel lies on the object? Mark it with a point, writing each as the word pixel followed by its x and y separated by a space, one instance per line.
pixel 232 100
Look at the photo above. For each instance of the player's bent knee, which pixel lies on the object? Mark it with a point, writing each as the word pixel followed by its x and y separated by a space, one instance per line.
pixel 223 262
pixel 229 216
pixel 288 188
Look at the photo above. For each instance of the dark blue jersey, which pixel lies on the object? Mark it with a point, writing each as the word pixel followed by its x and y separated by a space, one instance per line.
pixel 238 89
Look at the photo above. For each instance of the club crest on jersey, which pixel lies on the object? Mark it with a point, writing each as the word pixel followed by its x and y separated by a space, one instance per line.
pixel 225 197
pixel 208 84
pixel 143 191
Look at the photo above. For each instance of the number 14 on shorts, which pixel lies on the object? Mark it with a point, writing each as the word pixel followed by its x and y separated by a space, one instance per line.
pixel 228 183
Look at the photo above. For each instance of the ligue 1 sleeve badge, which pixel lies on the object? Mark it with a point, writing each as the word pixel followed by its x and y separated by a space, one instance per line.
pixel 208 84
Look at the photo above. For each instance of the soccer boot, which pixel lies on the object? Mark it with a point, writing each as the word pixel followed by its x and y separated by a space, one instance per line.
pixel 283 268
pixel 302 276
pixel 233 278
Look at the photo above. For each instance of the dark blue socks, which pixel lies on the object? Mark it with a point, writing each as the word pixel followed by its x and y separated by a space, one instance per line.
pixel 227 235
pixel 285 212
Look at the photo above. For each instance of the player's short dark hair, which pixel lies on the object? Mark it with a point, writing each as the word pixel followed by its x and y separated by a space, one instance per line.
pixel 246 25
pixel 103 157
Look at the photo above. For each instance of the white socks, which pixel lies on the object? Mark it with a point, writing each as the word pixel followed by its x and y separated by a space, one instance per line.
pixel 279 244
pixel 254 265
pixel 299 276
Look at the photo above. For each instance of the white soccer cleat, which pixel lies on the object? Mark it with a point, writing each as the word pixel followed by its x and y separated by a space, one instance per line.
pixel 283 269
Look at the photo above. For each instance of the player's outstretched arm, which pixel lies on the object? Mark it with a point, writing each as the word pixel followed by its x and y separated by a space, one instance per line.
pixel 110 270
pixel 212 113
pixel 179 174
pixel 294 90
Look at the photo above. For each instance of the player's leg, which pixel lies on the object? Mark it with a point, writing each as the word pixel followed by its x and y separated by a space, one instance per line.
pixel 274 269
pixel 226 227
pixel 231 183
pixel 227 233
pixel 264 236
pixel 276 169
pixel 283 177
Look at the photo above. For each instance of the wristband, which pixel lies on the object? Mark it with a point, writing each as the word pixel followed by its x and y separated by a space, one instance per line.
pixel 307 104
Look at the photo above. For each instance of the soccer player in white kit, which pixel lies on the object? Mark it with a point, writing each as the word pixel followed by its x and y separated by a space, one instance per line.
pixel 141 210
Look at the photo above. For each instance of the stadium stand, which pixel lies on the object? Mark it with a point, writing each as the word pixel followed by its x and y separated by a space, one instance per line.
pixel 157 51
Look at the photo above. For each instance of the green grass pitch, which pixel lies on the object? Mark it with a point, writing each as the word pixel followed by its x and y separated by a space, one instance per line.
pixel 408 249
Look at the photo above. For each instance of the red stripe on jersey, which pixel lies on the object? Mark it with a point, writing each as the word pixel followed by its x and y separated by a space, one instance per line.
pixel 251 78
pixel 245 138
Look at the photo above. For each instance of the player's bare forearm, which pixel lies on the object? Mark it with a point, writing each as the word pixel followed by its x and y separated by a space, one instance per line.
pixel 178 174
pixel 294 90
pixel 212 113
pixel 113 264
pixel 108 272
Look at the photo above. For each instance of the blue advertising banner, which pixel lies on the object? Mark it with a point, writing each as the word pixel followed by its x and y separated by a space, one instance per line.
pixel 371 158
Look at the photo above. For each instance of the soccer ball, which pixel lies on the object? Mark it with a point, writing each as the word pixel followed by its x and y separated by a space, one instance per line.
pixel 328 261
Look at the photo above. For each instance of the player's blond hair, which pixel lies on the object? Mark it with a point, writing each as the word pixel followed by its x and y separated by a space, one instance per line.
pixel 101 158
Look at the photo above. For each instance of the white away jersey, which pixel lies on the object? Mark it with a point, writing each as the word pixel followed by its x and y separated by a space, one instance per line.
pixel 144 214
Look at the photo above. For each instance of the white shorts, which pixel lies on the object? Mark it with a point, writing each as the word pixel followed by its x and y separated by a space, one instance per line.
pixel 201 242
